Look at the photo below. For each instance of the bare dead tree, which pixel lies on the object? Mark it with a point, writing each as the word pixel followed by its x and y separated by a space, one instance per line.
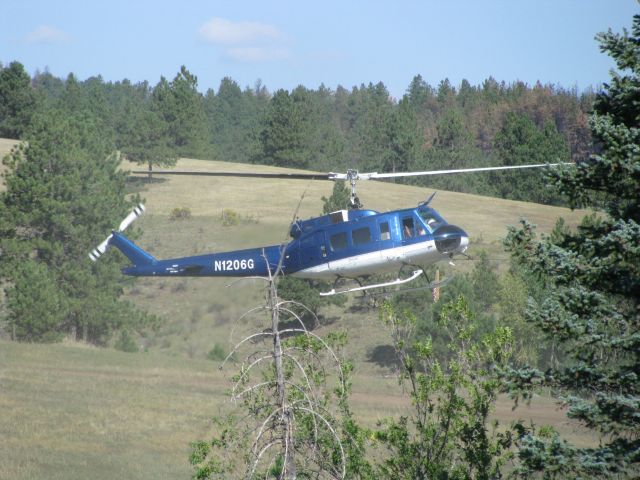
pixel 291 423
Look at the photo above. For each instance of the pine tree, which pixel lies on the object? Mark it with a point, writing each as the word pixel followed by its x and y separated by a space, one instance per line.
pixel 592 306
pixel 521 142
pixel 18 100
pixel 64 191
pixel 181 107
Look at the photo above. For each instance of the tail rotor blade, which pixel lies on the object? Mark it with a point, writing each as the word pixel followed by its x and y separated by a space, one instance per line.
pixel 128 220
pixel 97 252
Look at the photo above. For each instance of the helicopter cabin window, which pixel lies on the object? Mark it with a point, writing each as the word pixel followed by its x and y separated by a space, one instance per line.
pixel 384 231
pixel 338 241
pixel 360 236
pixel 339 217
pixel 407 227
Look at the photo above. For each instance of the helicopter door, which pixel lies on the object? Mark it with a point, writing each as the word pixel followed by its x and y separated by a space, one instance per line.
pixel 313 250
pixel 390 233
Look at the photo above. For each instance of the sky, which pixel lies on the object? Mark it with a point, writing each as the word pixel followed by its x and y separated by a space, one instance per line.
pixel 287 43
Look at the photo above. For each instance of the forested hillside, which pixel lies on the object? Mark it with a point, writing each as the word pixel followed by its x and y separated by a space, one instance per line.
pixel 430 127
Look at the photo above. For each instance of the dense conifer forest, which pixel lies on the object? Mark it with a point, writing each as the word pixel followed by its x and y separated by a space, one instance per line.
pixel 430 127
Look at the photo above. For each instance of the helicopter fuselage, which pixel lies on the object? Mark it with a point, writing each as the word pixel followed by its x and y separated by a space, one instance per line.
pixel 346 243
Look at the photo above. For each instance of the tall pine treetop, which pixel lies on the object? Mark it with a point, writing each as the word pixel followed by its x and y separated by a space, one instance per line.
pixel 610 179
pixel 592 307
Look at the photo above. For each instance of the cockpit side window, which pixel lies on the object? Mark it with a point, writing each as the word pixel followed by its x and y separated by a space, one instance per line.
pixel 431 219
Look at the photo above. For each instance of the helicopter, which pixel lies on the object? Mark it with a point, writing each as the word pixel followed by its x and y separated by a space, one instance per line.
pixel 349 244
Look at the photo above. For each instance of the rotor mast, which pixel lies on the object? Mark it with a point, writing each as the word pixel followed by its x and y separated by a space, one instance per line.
pixel 354 201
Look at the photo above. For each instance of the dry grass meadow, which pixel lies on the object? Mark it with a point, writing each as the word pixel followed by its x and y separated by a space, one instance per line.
pixel 71 411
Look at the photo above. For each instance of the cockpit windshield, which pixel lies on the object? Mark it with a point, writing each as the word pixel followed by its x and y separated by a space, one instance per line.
pixel 431 218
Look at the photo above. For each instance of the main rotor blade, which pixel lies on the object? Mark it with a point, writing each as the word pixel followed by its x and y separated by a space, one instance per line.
pixel 376 175
pixel 290 176
pixel 351 175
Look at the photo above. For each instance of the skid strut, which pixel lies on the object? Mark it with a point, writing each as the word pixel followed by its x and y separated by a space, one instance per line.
pixel 397 281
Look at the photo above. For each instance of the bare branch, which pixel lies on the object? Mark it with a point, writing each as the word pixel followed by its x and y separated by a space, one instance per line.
pixel 244 340
pixel 326 346
pixel 246 371
pixel 259 456
pixel 335 435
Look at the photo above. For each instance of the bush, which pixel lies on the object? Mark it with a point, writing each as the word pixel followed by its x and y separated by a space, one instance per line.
pixel 217 353
pixel 126 343
pixel 180 213
pixel 230 217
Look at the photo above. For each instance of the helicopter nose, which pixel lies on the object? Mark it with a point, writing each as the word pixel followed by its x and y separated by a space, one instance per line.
pixel 450 239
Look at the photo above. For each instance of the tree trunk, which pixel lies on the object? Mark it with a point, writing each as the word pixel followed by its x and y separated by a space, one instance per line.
pixel 289 472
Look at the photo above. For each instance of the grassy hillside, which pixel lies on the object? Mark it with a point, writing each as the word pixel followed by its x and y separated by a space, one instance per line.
pixel 77 412
pixel 73 412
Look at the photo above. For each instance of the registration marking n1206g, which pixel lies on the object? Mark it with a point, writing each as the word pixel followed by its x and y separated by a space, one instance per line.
pixel 231 265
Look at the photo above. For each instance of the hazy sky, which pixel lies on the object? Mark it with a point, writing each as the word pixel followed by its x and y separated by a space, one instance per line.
pixel 289 43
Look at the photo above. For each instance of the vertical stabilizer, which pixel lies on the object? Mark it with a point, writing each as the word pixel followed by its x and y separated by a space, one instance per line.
pixel 134 253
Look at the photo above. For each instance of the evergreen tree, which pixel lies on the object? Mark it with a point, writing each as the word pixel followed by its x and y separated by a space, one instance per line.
pixel 148 141
pixel 403 139
pixel 36 308
pixel 520 142
pixel 18 100
pixel 50 87
pixel 369 125
pixel 286 136
pixel 593 289
pixel 63 192
pixel 235 120
pixel 340 198
pixel 181 106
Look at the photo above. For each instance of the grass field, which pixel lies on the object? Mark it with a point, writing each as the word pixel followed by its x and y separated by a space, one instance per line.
pixel 75 412
pixel 70 411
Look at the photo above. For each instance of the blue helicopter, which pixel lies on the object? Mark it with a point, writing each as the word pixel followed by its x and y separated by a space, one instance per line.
pixel 349 244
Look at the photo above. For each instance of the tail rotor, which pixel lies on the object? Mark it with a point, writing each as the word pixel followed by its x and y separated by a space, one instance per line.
pixel 128 220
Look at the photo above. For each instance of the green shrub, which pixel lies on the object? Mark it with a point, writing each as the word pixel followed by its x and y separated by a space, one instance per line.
pixel 230 217
pixel 217 353
pixel 126 343
pixel 180 213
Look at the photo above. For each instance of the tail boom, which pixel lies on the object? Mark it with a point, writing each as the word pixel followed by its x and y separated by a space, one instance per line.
pixel 239 263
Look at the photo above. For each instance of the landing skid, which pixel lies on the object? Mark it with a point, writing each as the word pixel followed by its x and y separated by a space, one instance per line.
pixel 397 281
pixel 431 286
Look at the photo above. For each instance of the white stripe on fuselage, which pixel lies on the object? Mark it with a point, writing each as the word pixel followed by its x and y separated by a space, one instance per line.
pixel 389 259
